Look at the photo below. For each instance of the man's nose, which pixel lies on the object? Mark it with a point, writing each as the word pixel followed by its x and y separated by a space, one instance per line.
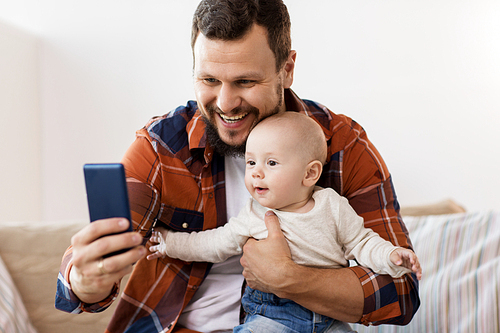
pixel 228 98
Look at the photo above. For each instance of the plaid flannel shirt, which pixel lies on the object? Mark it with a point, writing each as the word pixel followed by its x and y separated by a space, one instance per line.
pixel 175 178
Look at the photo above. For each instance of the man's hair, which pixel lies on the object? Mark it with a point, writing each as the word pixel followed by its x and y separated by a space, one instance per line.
pixel 232 19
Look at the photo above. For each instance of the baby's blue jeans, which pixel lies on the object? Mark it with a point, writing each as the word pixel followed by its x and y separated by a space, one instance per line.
pixel 269 313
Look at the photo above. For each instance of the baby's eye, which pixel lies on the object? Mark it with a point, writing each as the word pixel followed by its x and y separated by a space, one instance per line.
pixel 251 163
pixel 272 163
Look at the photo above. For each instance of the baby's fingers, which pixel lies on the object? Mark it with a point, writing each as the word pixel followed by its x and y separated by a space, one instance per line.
pixel 155 237
pixel 155 248
pixel 155 255
pixel 416 268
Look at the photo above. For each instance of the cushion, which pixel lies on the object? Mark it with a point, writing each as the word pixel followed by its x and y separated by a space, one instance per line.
pixel 13 315
pixel 459 290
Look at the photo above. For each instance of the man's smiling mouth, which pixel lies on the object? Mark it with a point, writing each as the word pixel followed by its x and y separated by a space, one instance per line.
pixel 233 119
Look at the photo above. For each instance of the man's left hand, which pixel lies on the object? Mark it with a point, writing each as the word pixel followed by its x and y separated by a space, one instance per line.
pixel 266 262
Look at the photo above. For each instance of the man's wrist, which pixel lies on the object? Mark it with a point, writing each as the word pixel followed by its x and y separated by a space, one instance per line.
pixel 293 281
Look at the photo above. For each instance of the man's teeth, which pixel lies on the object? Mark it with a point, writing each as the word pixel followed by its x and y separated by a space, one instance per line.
pixel 234 119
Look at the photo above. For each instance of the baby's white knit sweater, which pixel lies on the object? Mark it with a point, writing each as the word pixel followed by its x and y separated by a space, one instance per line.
pixel 327 236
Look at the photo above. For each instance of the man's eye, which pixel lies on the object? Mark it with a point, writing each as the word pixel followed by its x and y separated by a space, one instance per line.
pixel 210 80
pixel 246 82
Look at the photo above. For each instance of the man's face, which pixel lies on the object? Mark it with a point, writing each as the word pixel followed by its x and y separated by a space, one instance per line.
pixel 237 85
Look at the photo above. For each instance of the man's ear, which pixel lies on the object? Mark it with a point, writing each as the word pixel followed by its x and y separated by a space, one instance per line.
pixel 313 172
pixel 289 69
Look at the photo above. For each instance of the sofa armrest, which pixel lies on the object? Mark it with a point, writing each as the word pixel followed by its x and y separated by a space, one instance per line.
pixel 447 206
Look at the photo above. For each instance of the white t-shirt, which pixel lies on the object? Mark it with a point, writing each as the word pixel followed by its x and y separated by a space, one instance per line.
pixel 216 305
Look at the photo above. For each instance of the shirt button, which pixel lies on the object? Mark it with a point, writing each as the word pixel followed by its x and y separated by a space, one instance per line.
pixel 185 225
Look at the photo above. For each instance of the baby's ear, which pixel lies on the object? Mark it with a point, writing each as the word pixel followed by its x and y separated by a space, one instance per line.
pixel 313 172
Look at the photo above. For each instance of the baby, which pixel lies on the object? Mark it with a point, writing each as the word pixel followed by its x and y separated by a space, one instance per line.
pixel 284 158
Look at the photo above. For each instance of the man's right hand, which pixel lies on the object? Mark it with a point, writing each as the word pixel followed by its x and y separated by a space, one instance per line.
pixel 92 278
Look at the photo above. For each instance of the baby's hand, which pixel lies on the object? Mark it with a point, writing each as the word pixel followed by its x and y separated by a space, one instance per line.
pixel 158 250
pixel 407 258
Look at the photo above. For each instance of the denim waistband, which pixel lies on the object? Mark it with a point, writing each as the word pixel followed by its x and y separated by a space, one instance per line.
pixel 260 296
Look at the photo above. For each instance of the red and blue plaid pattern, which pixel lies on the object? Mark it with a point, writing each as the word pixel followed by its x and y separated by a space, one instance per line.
pixel 176 179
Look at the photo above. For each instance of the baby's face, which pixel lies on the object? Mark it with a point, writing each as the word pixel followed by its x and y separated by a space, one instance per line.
pixel 274 169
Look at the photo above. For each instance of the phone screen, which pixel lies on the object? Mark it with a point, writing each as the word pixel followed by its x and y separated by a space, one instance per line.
pixel 107 192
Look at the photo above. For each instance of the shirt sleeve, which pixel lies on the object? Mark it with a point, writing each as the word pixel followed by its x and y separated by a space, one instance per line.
pixel 365 181
pixel 144 182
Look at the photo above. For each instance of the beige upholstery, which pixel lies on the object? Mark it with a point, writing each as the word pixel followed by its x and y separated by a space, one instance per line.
pixel 32 252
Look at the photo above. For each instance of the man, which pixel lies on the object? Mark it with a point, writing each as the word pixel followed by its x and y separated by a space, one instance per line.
pixel 183 173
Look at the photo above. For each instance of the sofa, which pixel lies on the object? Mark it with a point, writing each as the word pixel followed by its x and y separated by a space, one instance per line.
pixel 460 254
pixel 460 287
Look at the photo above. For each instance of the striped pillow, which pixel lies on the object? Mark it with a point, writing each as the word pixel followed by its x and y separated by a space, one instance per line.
pixel 13 315
pixel 460 287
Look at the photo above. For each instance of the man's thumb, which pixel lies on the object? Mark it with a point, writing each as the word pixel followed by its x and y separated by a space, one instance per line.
pixel 272 223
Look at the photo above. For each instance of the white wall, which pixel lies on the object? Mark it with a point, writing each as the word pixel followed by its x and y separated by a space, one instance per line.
pixel 20 160
pixel 422 77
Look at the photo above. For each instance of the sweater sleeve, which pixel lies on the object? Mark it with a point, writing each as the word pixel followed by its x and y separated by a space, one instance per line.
pixel 364 245
pixel 214 245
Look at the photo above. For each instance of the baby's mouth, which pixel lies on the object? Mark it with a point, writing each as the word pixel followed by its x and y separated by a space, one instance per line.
pixel 260 190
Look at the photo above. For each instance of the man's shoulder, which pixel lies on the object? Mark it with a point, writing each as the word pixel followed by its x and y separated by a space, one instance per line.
pixel 332 123
pixel 174 130
pixel 175 120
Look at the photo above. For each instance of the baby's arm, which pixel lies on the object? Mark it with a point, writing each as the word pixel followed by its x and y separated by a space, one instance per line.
pixel 372 251
pixel 406 258
pixel 215 245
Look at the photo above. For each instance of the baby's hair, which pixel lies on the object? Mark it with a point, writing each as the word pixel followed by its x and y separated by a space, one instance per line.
pixel 307 133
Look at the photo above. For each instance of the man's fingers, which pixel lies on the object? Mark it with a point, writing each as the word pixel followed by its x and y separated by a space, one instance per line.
pixel 88 253
pixel 99 229
pixel 113 243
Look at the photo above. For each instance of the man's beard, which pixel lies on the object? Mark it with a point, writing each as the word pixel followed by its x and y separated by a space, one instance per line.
pixel 214 138
pixel 220 146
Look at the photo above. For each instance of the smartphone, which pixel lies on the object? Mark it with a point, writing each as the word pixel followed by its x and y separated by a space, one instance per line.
pixel 107 193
